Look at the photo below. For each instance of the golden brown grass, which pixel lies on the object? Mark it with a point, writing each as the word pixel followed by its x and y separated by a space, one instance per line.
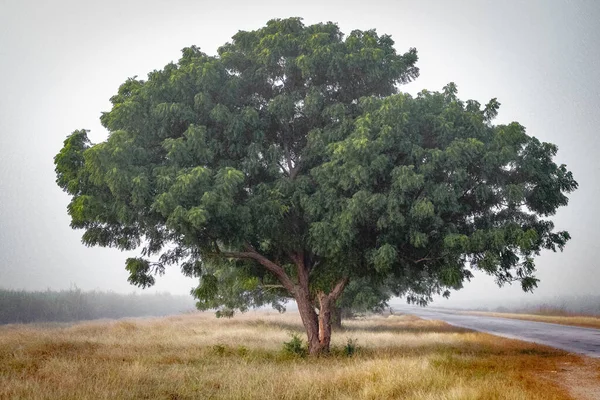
pixel 574 320
pixel 197 356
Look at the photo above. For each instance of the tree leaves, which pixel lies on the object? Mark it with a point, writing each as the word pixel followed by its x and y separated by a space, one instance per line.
pixel 140 272
pixel 294 141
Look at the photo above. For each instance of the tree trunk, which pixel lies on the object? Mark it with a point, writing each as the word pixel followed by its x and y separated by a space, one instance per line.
pixel 325 307
pixel 318 326
pixel 309 320
pixel 326 304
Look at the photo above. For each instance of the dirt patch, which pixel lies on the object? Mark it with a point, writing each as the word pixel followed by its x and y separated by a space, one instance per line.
pixel 580 378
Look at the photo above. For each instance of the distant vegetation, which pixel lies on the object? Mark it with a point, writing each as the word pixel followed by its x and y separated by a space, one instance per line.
pixel 19 306
pixel 559 306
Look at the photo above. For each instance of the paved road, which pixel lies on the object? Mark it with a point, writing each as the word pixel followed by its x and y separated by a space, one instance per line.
pixel 570 338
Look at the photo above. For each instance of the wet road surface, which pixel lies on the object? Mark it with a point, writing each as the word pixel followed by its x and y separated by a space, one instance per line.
pixel 570 338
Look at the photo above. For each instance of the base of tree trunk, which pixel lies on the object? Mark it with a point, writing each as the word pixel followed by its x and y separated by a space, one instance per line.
pixel 318 326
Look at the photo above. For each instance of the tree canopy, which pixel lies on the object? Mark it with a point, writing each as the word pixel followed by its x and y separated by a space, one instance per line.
pixel 291 160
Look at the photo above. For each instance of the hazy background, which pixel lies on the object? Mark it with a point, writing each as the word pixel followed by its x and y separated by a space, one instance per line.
pixel 61 61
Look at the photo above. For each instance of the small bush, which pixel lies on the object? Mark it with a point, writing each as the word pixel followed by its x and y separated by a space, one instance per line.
pixel 295 346
pixel 242 351
pixel 348 350
pixel 219 349
pixel 351 347
pixel 225 313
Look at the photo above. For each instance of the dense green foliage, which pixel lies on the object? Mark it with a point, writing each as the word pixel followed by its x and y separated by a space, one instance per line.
pixel 194 153
pixel 362 297
pixel 288 165
pixel 19 306
pixel 427 187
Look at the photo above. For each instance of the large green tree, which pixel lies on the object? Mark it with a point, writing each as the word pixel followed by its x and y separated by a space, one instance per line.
pixel 291 158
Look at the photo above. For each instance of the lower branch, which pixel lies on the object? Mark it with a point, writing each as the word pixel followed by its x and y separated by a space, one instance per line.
pixel 275 269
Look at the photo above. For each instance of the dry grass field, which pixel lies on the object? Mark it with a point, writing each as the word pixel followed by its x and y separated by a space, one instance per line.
pixel 575 320
pixel 197 356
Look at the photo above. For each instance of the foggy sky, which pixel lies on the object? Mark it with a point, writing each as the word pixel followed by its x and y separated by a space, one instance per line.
pixel 61 61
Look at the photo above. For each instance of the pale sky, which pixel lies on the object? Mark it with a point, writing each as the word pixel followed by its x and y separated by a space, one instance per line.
pixel 61 61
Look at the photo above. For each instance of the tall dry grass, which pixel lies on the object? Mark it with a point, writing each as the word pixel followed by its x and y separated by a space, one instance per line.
pixel 196 356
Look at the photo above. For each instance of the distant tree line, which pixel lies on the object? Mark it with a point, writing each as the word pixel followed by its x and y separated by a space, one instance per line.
pixel 565 305
pixel 19 306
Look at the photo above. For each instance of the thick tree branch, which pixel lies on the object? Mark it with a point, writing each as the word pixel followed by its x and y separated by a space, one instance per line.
pixel 295 170
pixel 338 289
pixel 275 269
pixel 301 268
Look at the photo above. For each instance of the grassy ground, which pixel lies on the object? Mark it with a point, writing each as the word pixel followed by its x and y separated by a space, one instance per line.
pixel 196 356
pixel 575 320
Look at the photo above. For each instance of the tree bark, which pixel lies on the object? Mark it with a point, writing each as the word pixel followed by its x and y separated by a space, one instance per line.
pixel 324 321
pixel 326 304
pixel 306 308
pixel 309 320
pixel 318 326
